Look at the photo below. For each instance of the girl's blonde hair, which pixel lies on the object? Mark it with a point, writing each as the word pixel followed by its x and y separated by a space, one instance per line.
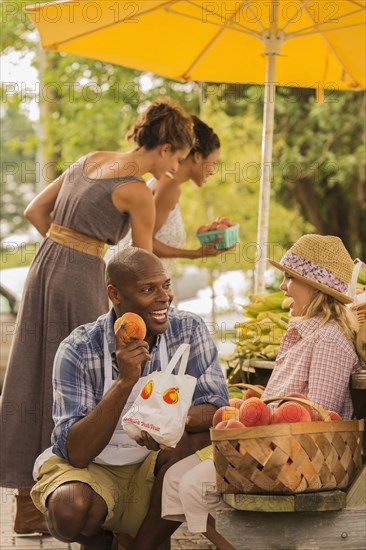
pixel 164 122
pixel 331 309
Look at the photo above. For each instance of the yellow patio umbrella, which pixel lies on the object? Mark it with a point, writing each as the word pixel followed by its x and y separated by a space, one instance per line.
pixel 317 44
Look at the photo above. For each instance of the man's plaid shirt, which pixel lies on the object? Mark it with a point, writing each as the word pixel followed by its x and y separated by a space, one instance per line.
pixel 78 375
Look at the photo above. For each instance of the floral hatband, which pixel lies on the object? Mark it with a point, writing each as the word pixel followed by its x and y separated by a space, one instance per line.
pixel 313 271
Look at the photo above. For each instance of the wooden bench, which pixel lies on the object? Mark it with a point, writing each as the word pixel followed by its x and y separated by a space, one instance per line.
pixel 122 545
pixel 328 520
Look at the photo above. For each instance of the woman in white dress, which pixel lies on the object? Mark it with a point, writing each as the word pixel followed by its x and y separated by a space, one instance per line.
pixel 170 236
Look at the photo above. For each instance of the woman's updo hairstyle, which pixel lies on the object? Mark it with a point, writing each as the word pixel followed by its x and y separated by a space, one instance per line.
pixel 164 122
pixel 206 139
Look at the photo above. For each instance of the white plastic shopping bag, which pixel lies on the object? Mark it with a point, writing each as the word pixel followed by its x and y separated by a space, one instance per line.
pixel 162 405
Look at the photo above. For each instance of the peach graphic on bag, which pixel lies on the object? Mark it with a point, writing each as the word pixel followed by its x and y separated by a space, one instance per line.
pixel 147 390
pixel 170 396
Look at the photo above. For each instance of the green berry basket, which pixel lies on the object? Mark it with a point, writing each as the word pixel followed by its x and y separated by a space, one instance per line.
pixel 230 236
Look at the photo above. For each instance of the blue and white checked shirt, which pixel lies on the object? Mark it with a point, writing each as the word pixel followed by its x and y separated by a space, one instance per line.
pixel 78 374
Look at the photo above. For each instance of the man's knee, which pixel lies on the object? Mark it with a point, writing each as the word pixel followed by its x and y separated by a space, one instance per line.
pixel 73 508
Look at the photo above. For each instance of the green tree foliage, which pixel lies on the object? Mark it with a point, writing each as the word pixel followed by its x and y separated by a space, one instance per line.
pixel 16 28
pixel 233 189
pixel 18 174
pixel 320 150
pixel 95 103
pixel 318 171
pixel 85 105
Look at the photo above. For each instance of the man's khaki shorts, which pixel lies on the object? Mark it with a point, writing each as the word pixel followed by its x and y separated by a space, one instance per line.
pixel 125 489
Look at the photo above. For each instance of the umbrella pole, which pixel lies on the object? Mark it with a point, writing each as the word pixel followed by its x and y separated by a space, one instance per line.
pixel 266 170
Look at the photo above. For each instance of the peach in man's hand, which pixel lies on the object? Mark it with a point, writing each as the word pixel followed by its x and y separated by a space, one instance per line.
pixel 130 326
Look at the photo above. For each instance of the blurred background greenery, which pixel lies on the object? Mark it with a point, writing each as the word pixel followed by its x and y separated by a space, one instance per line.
pixel 318 160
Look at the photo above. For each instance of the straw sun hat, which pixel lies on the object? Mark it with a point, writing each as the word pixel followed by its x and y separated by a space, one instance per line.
pixel 322 262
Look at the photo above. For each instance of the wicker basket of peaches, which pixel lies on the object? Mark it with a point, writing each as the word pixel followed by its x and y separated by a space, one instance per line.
pixel 223 227
pixel 283 445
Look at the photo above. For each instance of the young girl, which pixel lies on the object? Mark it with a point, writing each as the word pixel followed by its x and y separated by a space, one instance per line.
pixel 316 358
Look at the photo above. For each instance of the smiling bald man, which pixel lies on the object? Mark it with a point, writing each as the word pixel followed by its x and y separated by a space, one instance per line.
pixel 94 480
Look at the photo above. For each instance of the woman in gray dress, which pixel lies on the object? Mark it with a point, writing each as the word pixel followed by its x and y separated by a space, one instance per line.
pixel 93 203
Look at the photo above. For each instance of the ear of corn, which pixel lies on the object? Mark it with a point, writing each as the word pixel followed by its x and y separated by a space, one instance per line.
pixel 286 302
pixel 260 334
pixel 361 279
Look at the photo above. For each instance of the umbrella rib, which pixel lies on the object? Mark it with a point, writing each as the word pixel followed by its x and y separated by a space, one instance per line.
pixel 316 25
pixel 332 50
pixel 302 7
pixel 240 29
pixel 300 34
pixel 102 28
pixel 255 17
pixel 206 49
pixel 356 4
